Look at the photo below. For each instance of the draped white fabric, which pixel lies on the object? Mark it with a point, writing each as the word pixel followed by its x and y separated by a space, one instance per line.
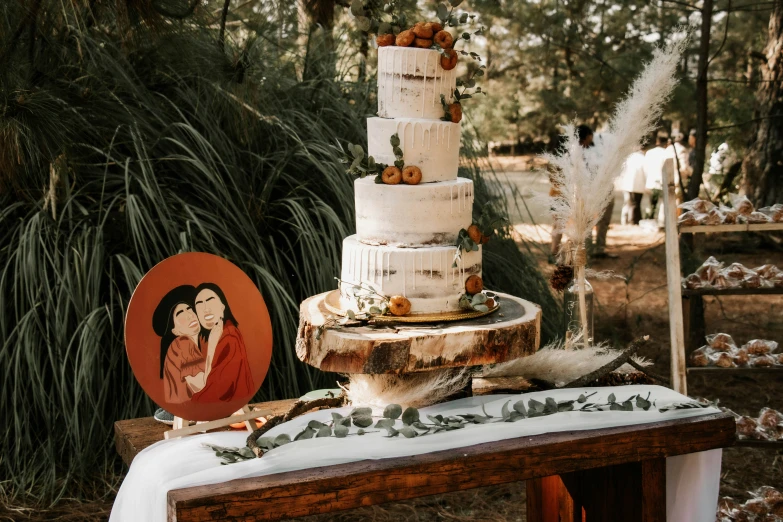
pixel 692 480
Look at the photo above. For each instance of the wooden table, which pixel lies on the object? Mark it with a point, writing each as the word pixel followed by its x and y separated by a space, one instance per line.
pixel 596 475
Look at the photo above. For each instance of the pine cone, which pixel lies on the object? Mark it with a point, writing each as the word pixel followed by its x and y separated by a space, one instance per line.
pixel 561 277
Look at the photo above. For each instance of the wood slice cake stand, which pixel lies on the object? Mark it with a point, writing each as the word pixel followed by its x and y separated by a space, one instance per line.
pixel 511 332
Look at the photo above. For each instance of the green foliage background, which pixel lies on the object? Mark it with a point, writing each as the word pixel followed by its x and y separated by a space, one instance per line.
pixel 129 133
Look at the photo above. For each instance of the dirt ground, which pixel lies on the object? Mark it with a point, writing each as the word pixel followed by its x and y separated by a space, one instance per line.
pixel 626 308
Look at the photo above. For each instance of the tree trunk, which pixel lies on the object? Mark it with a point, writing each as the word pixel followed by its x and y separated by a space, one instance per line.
pixel 701 101
pixel 763 163
pixel 316 22
pixel 364 49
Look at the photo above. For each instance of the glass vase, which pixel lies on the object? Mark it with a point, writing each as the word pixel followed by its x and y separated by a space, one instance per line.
pixel 575 320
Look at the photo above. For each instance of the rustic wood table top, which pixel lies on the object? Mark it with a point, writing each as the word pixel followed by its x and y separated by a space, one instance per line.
pixel 606 454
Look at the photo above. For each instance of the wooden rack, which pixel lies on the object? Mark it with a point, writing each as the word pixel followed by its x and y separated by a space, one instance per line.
pixel 678 296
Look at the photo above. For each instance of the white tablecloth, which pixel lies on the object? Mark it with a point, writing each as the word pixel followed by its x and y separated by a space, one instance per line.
pixel 691 485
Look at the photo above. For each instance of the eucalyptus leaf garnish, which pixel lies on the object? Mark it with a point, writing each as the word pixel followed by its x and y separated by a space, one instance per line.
pixel 409 423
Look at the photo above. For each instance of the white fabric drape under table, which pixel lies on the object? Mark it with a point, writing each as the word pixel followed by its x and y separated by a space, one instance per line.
pixel 691 480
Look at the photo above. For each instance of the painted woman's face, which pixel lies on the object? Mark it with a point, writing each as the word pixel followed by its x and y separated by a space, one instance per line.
pixel 185 320
pixel 209 308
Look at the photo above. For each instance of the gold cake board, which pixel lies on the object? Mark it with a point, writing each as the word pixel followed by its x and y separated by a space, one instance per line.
pixel 332 303
pixel 397 347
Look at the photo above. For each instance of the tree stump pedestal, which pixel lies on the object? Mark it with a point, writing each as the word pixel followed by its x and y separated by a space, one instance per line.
pixel 511 332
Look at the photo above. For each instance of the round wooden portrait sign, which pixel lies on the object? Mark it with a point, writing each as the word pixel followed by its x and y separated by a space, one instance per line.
pixel 198 336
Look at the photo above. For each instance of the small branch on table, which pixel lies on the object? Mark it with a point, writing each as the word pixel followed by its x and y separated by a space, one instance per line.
pixel 299 408
pixel 623 358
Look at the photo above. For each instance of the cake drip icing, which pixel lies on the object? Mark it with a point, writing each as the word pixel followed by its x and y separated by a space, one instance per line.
pixel 411 82
pixel 426 276
pixel 433 213
pixel 431 145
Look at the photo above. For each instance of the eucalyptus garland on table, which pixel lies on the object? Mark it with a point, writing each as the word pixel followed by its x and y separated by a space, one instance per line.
pixel 409 424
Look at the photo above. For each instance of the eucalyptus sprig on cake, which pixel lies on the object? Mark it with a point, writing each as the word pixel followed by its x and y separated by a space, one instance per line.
pixel 468 240
pixel 453 111
pixel 479 302
pixel 399 172
pixel 369 301
pixel 360 164
pixel 381 20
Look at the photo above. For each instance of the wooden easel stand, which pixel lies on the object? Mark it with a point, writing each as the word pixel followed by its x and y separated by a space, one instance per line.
pixel 183 428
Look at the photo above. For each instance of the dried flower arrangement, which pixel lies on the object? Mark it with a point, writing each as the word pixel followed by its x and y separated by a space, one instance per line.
pixel 585 177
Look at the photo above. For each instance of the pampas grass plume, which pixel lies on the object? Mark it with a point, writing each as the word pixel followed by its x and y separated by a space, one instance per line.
pixel 415 389
pixel 585 177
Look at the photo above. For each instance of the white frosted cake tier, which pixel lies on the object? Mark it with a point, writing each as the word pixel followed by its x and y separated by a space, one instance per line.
pixel 431 145
pixel 412 215
pixel 411 81
pixel 424 275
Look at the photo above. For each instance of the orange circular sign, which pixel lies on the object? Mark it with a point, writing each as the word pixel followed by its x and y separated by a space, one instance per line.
pixel 198 336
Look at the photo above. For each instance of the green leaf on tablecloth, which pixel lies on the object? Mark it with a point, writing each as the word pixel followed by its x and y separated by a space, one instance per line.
pixel 391 432
pixel 266 443
pixel 643 403
pixel 410 415
pixel 420 426
pixel 361 411
pixel 392 411
pixel 565 406
pixel 413 426
pixel 362 421
pixel 247 453
pixel 281 439
pixel 436 419
pixel 535 406
pixel 308 433
pixel 384 423
pixel 505 412
pixel 408 432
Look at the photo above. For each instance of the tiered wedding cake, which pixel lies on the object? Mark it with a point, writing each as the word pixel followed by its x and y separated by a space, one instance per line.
pixel 406 234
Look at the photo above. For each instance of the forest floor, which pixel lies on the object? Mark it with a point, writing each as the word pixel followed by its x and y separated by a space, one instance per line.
pixel 626 309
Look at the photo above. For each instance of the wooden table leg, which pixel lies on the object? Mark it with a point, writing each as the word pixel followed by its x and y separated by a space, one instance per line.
pixel 633 491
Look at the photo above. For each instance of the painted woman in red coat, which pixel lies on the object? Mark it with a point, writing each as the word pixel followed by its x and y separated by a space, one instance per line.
pixel 227 370
pixel 181 360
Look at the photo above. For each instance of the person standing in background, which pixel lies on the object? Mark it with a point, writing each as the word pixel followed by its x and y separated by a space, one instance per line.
pixel 653 172
pixel 681 165
pixel 632 183
pixel 692 151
